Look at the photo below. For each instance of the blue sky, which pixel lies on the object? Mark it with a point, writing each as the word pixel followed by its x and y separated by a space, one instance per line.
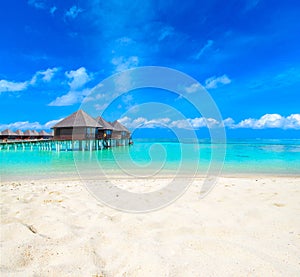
pixel 245 53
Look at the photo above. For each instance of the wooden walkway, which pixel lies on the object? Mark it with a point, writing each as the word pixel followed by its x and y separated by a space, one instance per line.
pixel 62 145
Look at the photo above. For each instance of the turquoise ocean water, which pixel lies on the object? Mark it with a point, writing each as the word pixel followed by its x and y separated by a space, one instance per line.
pixel 155 158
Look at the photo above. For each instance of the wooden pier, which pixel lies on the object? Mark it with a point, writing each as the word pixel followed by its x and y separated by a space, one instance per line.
pixel 62 145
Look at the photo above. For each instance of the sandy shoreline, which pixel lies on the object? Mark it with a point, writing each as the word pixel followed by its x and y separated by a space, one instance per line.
pixel 244 226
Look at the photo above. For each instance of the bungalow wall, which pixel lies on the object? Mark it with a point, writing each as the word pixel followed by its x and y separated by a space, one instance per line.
pixel 120 135
pixel 78 133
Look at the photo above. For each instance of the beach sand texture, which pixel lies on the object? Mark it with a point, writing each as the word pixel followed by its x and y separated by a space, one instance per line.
pixel 244 227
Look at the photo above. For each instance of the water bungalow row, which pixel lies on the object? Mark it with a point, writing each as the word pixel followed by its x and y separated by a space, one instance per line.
pixel 78 131
pixel 9 135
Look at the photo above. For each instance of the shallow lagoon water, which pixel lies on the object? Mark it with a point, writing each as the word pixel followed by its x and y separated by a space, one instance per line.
pixel 155 158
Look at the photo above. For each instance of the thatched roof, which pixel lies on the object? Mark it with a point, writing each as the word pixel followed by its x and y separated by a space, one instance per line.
pixel 35 132
pixel 30 133
pixel 44 133
pixel 8 132
pixel 78 119
pixel 106 125
pixel 19 133
pixel 119 127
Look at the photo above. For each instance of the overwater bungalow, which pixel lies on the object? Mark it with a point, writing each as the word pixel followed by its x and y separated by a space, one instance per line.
pixel 78 131
pixel 106 130
pixel 20 134
pixel 120 131
pixel 36 134
pixel 79 126
pixel 8 134
pixel 30 134
pixel 44 135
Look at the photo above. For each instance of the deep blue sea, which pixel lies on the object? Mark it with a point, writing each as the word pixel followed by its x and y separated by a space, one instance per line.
pixel 157 158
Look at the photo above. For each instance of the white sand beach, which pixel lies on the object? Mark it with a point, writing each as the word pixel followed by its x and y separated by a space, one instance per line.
pixel 246 226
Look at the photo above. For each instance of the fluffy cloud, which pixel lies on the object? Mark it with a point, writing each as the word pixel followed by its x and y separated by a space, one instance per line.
pixel 228 122
pixel 192 88
pixel 12 86
pixel 122 63
pixel 142 122
pixel 195 123
pixel 214 82
pixel 48 74
pixel 45 76
pixel 189 123
pixel 24 125
pixel 73 12
pixel 77 80
pixel 71 98
pixel 51 123
pixel 271 121
pixel 266 121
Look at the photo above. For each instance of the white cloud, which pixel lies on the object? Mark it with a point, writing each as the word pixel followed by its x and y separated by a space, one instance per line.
pixel 189 123
pixel 24 125
pixel 6 86
pixel 78 78
pixel 45 76
pixel 229 122
pixel 292 121
pixel 122 63
pixel 68 99
pixel 271 121
pixel 101 107
pixel 11 86
pixel 208 44
pixel 214 82
pixel 48 74
pixel 192 88
pixel 51 123
pixel 182 124
pixel 71 98
pixel 142 122
pixel 21 125
pixel 92 97
pixel 73 12
pixel 266 121
pixel 195 123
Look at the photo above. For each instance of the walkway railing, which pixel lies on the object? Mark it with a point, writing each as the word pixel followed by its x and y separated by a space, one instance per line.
pixel 62 145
